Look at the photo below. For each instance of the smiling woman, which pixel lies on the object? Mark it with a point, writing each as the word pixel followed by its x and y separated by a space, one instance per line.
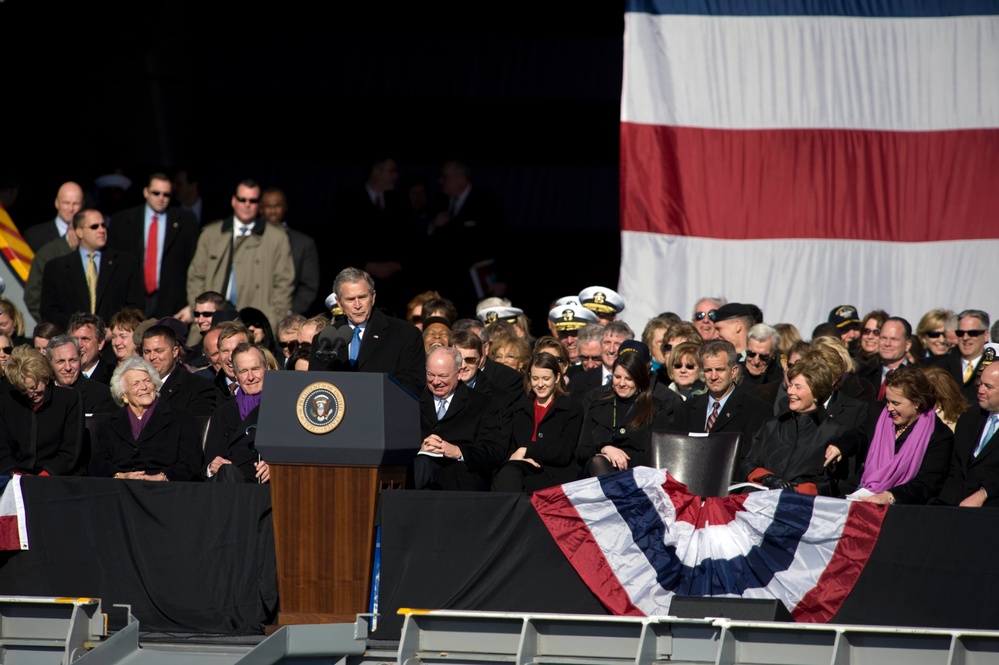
pixel 545 427
pixel 910 450
pixel 146 439
pixel 41 427
pixel 790 452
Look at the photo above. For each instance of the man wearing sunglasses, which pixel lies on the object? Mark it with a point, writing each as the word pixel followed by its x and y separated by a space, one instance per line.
pixel 92 279
pixel 761 354
pixel 964 360
pixel 245 259
pixel 163 238
pixel 703 317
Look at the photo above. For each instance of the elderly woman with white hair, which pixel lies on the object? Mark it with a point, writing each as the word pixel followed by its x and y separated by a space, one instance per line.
pixel 147 439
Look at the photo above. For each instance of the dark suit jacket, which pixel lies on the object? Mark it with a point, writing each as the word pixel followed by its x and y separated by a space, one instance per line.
pixel 50 439
pixel 952 363
pixel 967 473
pixel 169 443
pixel 305 256
pixel 64 286
pixel 102 373
pixel 38 235
pixel 96 395
pixel 127 234
pixel 228 438
pixel 585 382
pixel 472 422
pixel 742 413
pixel 389 345
pixel 194 393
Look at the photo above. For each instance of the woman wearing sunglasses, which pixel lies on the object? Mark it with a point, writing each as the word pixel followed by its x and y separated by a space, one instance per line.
pixel 685 370
pixel 932 331
pixel 6 347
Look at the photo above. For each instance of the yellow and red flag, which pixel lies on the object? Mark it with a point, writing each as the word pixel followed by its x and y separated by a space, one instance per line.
pixel 13 247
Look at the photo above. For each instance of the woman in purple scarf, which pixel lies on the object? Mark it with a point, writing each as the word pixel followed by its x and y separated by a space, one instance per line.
pixel 230 446
pixel 910 451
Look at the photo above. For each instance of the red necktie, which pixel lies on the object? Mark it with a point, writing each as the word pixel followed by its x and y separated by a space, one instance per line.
pixel 881 390
pixel 712 418
pixel 151 247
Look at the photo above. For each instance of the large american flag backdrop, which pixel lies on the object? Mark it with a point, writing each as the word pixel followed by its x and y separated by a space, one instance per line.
pixel 810 153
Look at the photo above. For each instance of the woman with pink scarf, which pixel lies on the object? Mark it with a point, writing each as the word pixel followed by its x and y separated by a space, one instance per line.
pixel 909 455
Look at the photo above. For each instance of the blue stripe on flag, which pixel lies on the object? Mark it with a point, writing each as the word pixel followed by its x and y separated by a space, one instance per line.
pixel 756 569
pixel 859 8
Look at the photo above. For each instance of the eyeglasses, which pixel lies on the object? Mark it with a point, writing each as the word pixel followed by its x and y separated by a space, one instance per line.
pixel 591 359
pixel 969 333
pixel 710 314
pixel 242 199
pixel 199 315
pixel 764 357
pixel 935 334
pixel 872 331
pixel 6 350
pixel 163 194
pixel 94 227
pixel 471 360
pixel 416 318
pixel 293 344
pixel 667 348
pixel 684 365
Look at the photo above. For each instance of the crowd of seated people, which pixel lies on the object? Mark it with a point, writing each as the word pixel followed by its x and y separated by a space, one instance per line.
pixel 149 322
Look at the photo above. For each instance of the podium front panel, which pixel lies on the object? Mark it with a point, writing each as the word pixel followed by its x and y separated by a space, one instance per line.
pixel 378 422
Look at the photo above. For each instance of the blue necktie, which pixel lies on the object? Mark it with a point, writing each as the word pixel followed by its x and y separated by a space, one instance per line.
pixel 442 409
pixel 990 429
pixel 355 346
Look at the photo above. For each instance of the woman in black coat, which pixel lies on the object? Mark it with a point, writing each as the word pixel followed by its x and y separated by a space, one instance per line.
pixel 41 424
pixel 617 427
pixel 146 439
pixel 793 450
pixel 545 427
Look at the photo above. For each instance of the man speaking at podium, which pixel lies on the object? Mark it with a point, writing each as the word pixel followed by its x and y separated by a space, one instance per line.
pixel 369 340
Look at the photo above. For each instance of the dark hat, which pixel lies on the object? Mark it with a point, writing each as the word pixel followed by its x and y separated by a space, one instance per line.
pixel 988 357
pixel 177 326
pixel 634 346
pixel 844 316
pixel 430 320
pixel 736 310
pixel 223 315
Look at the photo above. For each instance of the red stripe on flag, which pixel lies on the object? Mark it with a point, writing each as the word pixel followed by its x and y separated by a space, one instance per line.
pixel 810 183
pixel 14 256
pixel 716 511
pixel 10 538
pixel 581 549
pixel 860 533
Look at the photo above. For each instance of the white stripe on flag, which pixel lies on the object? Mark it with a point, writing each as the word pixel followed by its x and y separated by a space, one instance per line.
pixel 12 503
pixel 801 280
pixel 777 72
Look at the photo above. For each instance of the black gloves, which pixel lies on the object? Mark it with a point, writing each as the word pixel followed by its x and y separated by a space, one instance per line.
pixel 773 482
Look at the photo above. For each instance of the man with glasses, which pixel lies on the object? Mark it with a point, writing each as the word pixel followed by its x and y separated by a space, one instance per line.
pixel 613 334
pixel 703 317
pixel 164 238
pixel 245 259
pixel 92 279
pixel 761 353
pixel 964 360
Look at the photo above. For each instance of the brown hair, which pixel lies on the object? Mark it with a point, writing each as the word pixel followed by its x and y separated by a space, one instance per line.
pixel 820 377
pixel 948 394
pixel 545 360
pixel 914 386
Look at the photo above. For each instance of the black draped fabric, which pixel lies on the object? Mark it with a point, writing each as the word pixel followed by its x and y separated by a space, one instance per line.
pixel 932 566
pixel 470 550
pixel 187 557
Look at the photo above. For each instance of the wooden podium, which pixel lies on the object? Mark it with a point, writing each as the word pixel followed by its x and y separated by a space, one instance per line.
pixel 325 485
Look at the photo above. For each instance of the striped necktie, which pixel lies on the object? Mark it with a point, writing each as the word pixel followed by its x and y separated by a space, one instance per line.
pixel 713 417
